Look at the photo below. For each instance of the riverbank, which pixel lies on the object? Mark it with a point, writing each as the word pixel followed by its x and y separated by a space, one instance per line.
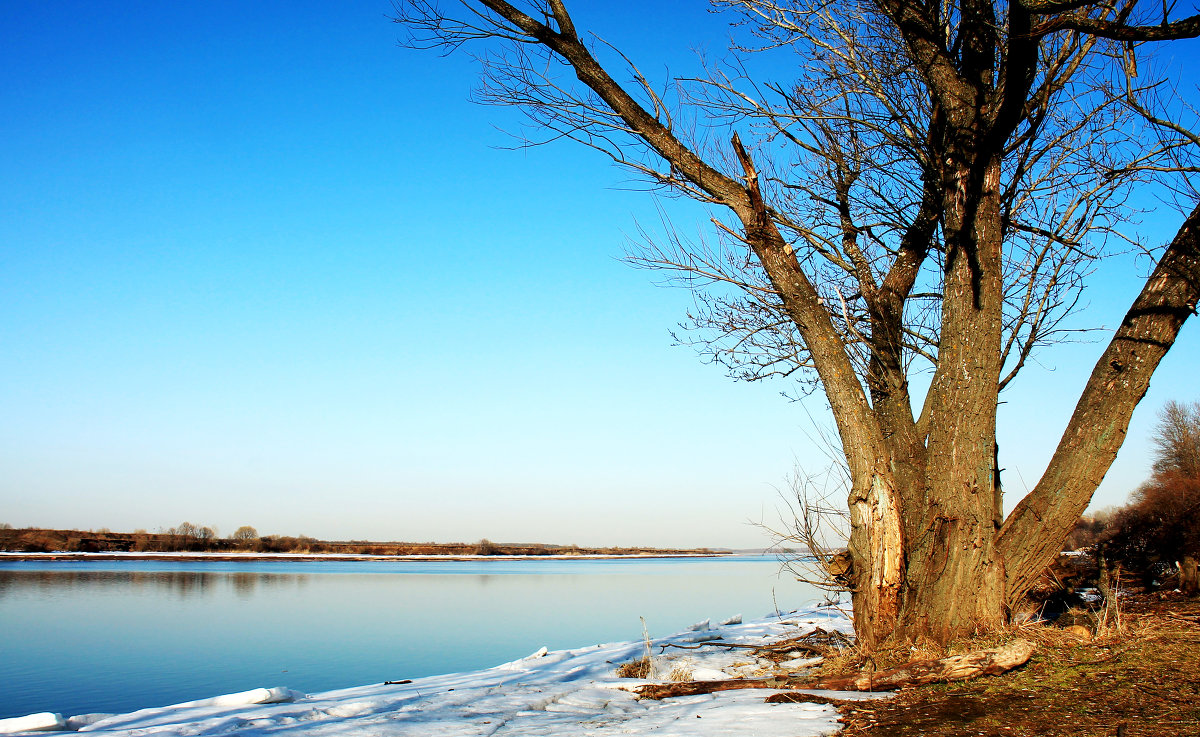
pixel 251 556
pixel 1141 679
pixel 188 538
pixel 568 693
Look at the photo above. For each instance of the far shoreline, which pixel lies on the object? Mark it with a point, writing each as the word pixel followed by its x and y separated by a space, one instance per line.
pixel 250 557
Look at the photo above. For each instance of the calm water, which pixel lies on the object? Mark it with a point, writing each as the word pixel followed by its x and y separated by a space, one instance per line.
pixel 113 636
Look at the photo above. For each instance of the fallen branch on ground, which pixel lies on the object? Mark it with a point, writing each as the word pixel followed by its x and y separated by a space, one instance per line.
pixel 691 688
pixel 1189 618
pixel 817 642
pixel 807 698
pixel 953 668
pixel 762 649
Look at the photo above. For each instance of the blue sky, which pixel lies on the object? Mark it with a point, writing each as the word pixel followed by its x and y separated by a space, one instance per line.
pixel 262 266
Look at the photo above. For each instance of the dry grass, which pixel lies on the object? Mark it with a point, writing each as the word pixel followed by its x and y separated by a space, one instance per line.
pixel 680 672
pixel 642 668
pixel 854 659
pixel 1138 676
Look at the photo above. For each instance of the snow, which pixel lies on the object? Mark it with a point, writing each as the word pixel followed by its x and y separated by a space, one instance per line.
pixel 566 693
pixel 45 721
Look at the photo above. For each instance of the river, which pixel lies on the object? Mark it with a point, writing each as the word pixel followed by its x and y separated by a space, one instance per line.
pixel 112 636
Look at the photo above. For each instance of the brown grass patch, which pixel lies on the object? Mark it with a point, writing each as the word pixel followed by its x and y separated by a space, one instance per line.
pixel 642 668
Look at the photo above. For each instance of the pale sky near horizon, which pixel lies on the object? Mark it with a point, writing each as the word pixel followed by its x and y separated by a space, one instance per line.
pixel 262 266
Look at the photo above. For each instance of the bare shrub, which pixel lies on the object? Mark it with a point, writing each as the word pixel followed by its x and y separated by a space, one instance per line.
pixel 1159 529
pixel 681 671
pixel 1088 531
pixel 813 528
pixel 1157 536
pixel 642 667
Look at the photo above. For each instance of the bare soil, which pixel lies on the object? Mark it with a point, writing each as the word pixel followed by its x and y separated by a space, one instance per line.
pixel 1141 680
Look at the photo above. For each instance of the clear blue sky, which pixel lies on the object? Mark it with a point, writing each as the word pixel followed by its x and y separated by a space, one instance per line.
pixel 262 266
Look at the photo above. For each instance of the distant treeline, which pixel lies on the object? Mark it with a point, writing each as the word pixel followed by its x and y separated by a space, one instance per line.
pixel 191 538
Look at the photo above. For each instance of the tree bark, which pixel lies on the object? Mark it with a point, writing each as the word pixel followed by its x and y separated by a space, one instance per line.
pixel 955 581
pixel 1189 575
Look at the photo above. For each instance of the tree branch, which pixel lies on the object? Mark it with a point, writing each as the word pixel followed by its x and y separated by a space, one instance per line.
pixel 1118 30
pixel 1097 426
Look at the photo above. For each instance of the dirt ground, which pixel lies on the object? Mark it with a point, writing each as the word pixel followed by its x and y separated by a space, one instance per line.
pixel 1140 681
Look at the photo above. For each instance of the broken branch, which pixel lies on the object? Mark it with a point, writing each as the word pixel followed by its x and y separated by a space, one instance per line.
pixel 953 668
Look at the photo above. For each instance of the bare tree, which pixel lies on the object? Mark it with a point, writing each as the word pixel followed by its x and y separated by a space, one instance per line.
pixel 1176 439
pixel 927 193
pixel 1159 530
pixel 245 533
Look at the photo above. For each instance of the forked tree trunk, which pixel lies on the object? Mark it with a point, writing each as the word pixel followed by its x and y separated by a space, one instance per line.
pixel 954 578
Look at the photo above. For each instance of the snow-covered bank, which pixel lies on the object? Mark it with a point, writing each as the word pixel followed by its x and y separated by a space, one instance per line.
pixel 568 693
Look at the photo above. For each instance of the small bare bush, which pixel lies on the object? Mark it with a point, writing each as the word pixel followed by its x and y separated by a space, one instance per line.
pixel 680 672
pixel 813 528
pixel 642 667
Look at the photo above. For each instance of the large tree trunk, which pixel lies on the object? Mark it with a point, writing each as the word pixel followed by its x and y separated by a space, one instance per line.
pixel 955 577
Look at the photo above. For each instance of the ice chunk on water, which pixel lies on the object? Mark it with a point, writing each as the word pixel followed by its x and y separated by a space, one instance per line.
pixel 701 626
pixel 735 619
pixel 40 722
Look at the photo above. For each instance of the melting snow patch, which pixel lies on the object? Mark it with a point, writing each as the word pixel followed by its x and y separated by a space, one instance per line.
pixel 709 674
pixel 80 721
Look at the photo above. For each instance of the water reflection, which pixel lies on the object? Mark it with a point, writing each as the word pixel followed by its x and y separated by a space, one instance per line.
pixel 245 584
pixel 184 584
